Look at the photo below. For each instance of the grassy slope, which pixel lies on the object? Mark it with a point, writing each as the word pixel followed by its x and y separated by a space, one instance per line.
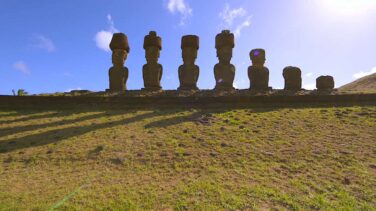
pixel 297 159
pixel 365 84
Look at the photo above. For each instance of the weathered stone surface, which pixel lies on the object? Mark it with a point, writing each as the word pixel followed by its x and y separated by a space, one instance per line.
pixel 258 74
pixel 152 70
pixel 293 78
pixel 189 72
pixel 118 74
pixel 119 41
pixel 325 83
pixel 224 71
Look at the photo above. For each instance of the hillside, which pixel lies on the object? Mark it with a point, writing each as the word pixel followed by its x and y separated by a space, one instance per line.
pixel 188 159
pixel 365 84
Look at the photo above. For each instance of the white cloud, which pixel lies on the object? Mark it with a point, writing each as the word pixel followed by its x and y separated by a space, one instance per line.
pixel 43 42
pixel 309 86
pixel 241 26
pixel 361 74
pixel 103 37
pixel 237 19
pixel 308 75
pixel 182 7
pixel 22 67
pixel 229 15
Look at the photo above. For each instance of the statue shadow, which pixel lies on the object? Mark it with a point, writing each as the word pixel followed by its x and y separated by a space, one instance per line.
pixel 57 135
pixel 202 115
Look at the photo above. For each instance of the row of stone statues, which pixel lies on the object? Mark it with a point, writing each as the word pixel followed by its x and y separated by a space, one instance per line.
pixel 224 71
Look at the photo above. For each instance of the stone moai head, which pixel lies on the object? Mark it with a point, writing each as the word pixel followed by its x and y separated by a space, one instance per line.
pixel 325 83
pixel 293 78
pixel 190 45
pixel 258 57
pixel 120 49
pixel 224 43
pixel 152 46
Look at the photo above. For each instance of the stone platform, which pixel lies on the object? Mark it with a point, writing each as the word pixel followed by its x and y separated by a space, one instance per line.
pixel 202 98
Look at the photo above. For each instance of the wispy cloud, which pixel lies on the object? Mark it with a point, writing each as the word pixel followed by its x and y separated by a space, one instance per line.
pixel 237 19
pixel 181 7
pixel 43 42
pixel 228 15
pixel 361 74
pixel 241 26
pixel 22 67
pixel 103 37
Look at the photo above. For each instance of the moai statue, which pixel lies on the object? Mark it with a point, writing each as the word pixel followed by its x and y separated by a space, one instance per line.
pixel 152 70
pixel 293 78
pixel 118 74
pixel 224 71
pixel 189 72
pixel 325 83
pixel 258 74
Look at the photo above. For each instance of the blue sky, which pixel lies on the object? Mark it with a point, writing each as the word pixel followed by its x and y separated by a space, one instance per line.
pixel 55 46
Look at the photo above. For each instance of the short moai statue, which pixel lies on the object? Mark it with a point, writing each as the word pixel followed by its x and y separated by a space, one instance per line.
pixel 189 72
pixel 224 71
pixel 293 78
pixel 325 83
pixel 118 74
pixel 258 74
pixel 152 70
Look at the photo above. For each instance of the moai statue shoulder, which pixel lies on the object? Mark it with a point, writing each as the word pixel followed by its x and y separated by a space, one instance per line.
pixel 189 72
pixel 152 71
pixel 118 74
pixel 325 83
pixel 293 78
pixel 258 74
pixel 224 71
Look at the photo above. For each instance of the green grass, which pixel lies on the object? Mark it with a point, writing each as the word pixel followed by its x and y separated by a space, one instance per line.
pixel 188 159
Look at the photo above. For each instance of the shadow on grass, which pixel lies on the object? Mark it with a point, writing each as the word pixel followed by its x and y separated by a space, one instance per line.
pixel 30 117
pixel 202 116
pixel 57 135
pixel 13 130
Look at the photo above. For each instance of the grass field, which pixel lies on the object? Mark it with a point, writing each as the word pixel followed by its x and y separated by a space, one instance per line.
pixel 319 158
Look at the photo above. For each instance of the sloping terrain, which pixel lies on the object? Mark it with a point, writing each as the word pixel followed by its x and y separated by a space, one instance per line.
pixel 188 159
pixel 365 84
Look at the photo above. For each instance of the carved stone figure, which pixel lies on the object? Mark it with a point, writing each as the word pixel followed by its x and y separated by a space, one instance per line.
pixel 152 70
pixel 258 74
pixel 189 72
pixel 118 74
pixel 224 71
pixel 293 78
pixel 325 83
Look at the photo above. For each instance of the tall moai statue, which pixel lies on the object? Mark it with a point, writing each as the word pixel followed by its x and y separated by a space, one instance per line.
pixel 293 78
pixel 258 74
pixel 224 71
pixel 152 70
pixel 189 72
pixel 118 74
pixel 325 83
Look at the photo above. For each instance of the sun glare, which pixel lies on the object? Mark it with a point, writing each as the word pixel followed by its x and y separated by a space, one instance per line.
pixel 349 7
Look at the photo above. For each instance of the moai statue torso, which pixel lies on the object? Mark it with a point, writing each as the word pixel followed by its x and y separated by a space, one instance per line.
pixel 325 83
pixel 258 74
pixel 224 71
pixel 189 72
pixel 293 78
pixel 118 74
pixel 152 70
